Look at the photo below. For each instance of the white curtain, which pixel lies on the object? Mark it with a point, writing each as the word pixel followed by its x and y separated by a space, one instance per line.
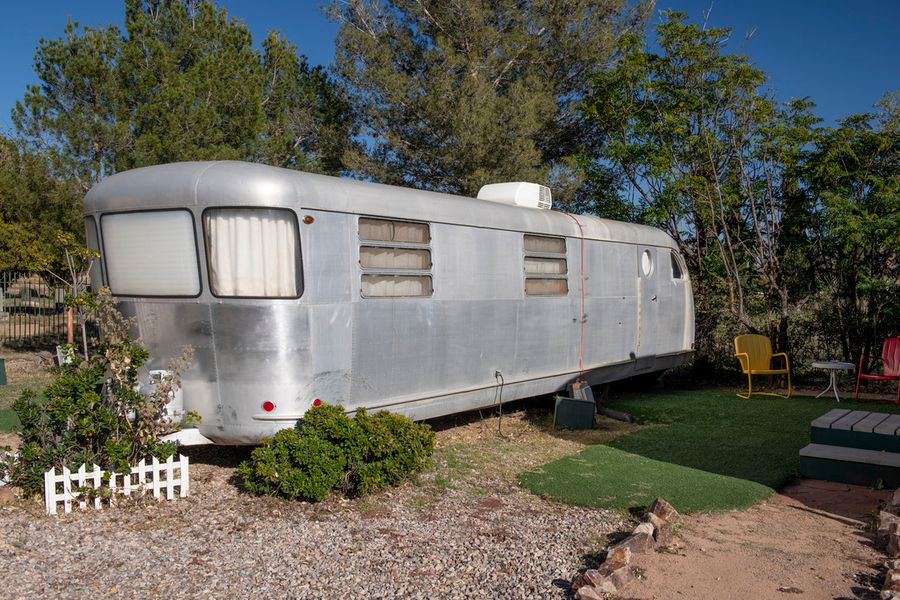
pixel 372 257
pixel 382 286
pixel 381 230
pixel 252 252
pixel 545 266
pixel 539 243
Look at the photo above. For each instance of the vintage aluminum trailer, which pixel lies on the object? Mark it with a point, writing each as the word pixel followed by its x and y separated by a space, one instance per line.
pixel 294 287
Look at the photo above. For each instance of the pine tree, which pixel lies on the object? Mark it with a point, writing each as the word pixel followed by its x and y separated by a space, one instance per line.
pixel 453 95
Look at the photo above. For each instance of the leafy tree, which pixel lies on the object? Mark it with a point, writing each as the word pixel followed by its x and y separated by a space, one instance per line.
pixel 716 163
pixel 73 116
pixel 181 82
pixel 308 125
pixel 853 174
pixel 453 95
pixel 34 204
pixel 193 83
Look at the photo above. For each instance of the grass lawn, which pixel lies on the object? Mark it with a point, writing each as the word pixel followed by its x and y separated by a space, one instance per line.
pixel 18 381
pixel 703 450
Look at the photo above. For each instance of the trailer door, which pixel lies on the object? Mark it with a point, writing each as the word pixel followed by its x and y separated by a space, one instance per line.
pixel 648 306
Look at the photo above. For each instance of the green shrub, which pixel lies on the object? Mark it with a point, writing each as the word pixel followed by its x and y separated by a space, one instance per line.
pixel 395 447
pixel 92 412
pixel 294 465
pixel 329 450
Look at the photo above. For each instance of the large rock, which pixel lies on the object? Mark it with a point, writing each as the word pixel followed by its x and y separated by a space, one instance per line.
pixel 588 578
pixel 620 577
pixel 662 530
pixel 610 578
pixel 619 554
pixel 590 593
pixel 637 542
pixel 892 545
pixel 895 499
pixel 892 581
pixel 888 531
pixel 664 510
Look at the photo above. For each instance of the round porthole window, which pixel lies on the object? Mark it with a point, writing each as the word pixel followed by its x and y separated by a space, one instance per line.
pixel 646 263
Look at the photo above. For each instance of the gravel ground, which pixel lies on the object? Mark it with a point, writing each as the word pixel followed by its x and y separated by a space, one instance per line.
pixel 480 538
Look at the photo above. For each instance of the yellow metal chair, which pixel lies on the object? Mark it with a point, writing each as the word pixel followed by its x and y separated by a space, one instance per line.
pixel 755 355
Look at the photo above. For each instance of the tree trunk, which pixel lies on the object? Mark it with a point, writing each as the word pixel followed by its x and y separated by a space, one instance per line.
pixel 70 325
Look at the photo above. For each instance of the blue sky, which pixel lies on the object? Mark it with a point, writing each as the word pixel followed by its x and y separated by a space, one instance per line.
pixel 843 54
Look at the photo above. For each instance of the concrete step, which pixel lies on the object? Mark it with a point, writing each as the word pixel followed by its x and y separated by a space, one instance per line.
pixel 856 466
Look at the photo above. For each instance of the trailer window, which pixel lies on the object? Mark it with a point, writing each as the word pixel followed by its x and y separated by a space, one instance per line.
pixel 373 257
pixel 546 270
pixel 93 242
pixel 395 258
pixel 395 286
pixel 253 252
pixel 646 263
pixel 381 230
pixel 676 266
pixel 151 253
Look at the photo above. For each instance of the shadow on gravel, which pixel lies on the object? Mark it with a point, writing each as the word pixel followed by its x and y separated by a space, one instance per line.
pixel 228 457
pixel 566 586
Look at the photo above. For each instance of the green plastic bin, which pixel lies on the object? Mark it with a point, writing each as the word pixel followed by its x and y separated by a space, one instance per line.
pixel 573 413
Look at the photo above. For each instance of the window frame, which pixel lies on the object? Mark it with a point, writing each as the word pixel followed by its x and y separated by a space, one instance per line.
pixel 563 256
pixel 676 262
pixel 103 253
pixel 647 252
pixel 299 273
pixel 99 259
pixel 395 272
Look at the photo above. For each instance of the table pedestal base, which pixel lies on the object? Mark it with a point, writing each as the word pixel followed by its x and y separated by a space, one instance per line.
pixel 832 385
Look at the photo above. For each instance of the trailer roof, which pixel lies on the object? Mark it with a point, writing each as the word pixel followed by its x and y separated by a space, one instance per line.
pixel 234 183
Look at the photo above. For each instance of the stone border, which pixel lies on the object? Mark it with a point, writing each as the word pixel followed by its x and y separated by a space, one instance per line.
pixel 615 573
pixel 887 538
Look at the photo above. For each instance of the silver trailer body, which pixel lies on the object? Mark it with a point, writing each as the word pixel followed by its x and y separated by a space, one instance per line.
pixel 484 302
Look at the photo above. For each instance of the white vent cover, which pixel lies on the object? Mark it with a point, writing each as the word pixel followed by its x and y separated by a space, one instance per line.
pixel 519 193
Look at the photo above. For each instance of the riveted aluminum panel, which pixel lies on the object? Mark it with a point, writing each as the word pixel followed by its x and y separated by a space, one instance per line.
pixel 423 357
pixel 238 183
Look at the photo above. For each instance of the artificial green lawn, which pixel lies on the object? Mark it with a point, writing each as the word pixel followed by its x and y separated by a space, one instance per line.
pixel 704 451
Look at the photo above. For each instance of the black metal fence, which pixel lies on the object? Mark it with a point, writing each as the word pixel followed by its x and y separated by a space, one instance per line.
pixel 31 310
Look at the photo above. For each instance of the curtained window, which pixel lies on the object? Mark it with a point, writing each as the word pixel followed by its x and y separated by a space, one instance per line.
pixel 253 252
pixel 546 271
pixel 151 253
pixel 395 258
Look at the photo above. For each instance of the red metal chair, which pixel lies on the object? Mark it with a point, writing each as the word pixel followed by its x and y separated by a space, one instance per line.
pixel 890 362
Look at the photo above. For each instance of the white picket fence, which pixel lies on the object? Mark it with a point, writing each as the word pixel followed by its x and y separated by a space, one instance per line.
pixel 74 488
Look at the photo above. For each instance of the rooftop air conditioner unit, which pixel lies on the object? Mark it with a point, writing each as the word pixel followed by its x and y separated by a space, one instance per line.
pixel 519 193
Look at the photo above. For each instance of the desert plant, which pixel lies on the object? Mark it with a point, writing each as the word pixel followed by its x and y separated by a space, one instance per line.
pixel 329 450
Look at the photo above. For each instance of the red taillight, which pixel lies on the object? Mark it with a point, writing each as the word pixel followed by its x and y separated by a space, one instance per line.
pixel 317 402
pixel 268 406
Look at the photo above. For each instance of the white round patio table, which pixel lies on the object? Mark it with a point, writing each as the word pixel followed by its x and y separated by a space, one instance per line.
pixel 833 366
